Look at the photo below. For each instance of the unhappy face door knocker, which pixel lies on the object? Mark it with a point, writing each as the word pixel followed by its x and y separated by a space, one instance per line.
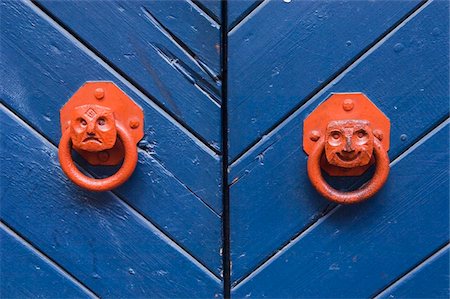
pixel 344 136
pixel 103 125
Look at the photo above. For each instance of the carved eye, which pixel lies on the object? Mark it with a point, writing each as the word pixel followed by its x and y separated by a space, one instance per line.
pixel 83 122
pixel 335 138
pixel 101 121
pixel 362 136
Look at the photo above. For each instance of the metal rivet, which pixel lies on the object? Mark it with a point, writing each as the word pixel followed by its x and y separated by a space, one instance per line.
pixel 99 93
pixel 315 135
pixel 348 104
pixel 103 156
pixel 377 133
pixel 134 123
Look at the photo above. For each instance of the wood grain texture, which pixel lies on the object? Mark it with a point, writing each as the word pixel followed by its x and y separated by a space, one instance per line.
pixel 177 180
pixel 286 51
pixel 356 251
pixel 271 197
pixel 27 274
pixel 428 280
pixel 98 238
pixel 129 36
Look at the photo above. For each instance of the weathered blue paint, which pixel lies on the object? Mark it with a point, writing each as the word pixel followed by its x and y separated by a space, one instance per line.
pixel 185 192
pixel 240 9
pixel 186 22
pixel 355 251
pixel 98 238
pixel 212 7
pixel 428 280
pixel 25 273
pixel 160 234
pixel 131 36
pixel 410 86
pixel 310 41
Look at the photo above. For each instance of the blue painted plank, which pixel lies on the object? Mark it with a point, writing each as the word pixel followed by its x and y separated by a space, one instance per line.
pixel 429 280
pixel 213 6
pixel 187 22
pixel 301 44
pixel 27 274
pixel 177 180
pixel 99 239
pixel 239 9
pixel 127 35
pixel 271 197
pixel 355 251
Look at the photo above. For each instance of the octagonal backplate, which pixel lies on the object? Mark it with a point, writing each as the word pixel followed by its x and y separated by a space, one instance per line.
pixel 344 106
pixel 126 112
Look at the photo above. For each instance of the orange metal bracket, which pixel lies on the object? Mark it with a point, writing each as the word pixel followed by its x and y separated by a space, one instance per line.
pixel 344 136
pixel 90 123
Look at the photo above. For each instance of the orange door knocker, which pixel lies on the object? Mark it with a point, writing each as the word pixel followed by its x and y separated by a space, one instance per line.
pixel 344 136
pixel 91 121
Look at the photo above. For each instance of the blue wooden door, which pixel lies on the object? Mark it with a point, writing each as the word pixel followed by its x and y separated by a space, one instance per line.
pixel 160 234
pixel 285 58
pixel 220 203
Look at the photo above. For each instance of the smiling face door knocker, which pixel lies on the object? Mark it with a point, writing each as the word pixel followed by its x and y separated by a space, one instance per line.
pixel 103 125
pixel 344 136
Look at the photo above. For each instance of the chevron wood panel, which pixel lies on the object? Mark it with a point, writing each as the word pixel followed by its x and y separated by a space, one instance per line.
pixel 166 231
pixel 356 251
pixel 150 43
pixel 160 233
pixel 271 199
pixel 303 44
pixel 112 249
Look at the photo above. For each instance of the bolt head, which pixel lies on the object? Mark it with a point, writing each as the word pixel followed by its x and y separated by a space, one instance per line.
pixel 99 93
pixel 348 104
pixel 103 156
pixel 134 123
pixel 314 135
pixel 378 134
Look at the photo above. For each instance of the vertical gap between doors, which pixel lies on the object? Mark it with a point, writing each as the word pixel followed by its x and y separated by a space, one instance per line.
pixel 224 124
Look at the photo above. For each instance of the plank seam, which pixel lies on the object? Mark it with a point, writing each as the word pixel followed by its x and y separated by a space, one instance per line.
pixel 247 15
pixel 179 43
pixel 189 74
pixel 226 253
pixel 184 251
pixel 205 10
pixel 333 79
pixel 412 270
pixel 209 207
pixel 120 75
pixel 328 211
pixel 47 259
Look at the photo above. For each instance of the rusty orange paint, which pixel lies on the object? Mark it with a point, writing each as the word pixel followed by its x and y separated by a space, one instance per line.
pixel 344 107
pixel 125 110
pixel 344 136
pixel 91 121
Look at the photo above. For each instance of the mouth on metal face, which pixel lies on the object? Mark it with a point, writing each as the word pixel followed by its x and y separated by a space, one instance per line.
pixel 94 139
pixel 348 157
